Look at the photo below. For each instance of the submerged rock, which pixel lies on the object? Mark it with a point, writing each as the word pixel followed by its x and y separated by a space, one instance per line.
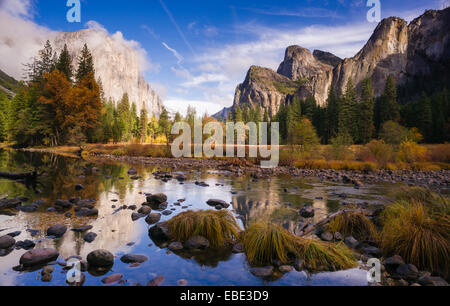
pixel 159 233
pixel 26 244
pixel 114 278
pixel 131 258
pixel 156 281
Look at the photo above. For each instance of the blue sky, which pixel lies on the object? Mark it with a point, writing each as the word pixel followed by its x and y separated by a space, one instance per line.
pixel 200 50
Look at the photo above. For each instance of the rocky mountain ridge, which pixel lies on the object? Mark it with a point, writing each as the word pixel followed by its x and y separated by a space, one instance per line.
pixel 396 48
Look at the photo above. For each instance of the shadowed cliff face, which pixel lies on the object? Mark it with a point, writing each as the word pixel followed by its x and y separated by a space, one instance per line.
pixel 394 48
pixel 117 64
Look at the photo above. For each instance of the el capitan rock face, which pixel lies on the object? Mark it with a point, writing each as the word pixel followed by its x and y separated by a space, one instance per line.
pixel 394 48
pixel 116 64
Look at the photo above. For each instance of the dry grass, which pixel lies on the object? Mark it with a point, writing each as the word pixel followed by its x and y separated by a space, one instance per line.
pixel 219 227
pixel 265 242
pixel 354 224
pixel 419 232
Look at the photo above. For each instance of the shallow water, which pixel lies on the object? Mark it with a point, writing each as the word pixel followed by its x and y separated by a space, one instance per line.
pixel 278 199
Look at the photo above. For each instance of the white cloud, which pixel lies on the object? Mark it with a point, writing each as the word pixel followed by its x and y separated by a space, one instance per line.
pixel 217 71
pixel 20 39
pixel 202 107
pixel 175 53
pixel 17 8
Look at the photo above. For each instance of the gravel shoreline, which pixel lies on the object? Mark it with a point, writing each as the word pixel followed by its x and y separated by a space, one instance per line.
pixel 431 179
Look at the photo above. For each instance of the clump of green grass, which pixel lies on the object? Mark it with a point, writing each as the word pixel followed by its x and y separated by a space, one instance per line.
pixel 219 227
pixel 265 242
pixel 434 203
pixel 418 233
pixel 354 224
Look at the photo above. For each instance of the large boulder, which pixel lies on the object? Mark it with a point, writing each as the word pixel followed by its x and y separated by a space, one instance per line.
pixel 100 258
pixel 157 199
pixel 57 230
pixel 159 233
pixel 197 243
pixel 6 242
pixel 38 257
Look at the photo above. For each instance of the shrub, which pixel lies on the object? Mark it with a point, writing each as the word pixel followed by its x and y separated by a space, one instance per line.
pixel 265 242
pixel 353 224
pixel 219 227
pixel 420 236
pixel 393 133
pixel 411 152
pixel 379 151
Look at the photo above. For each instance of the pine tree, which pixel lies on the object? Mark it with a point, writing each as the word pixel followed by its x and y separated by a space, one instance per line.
pixel 347 111
pixel 64 64
pixel 388 108
pixel 332 115
pixel 44 63
pixel 164 124
pixel 85 64
pixel 424 118
pixel 238 116
pixel 143 124
pixel 308 107
pixel 366 126
pixel 123 117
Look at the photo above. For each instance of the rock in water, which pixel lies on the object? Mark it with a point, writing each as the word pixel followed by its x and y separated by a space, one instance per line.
pixel 57 230
pixel 6 242
pixel 153 218
pixel 130 258
pixel 90 237
pixel 197 243
pixel 307 212
pixel 38 257
pixel 100 258
pixel 156 281
pixel 157 198
pixel 114 278
pixel 262 272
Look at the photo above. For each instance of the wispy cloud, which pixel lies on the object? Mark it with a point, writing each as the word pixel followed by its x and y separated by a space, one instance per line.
pixel 306 12
pixel 174 52
pixel 175 24
pixel 150 31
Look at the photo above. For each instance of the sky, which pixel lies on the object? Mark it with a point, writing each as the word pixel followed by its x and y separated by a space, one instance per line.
pixel 197 51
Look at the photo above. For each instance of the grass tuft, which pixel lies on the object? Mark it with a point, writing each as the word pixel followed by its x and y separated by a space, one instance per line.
pixel 219 227
pixel 418 233
pixel 354 224
pixel 265 242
